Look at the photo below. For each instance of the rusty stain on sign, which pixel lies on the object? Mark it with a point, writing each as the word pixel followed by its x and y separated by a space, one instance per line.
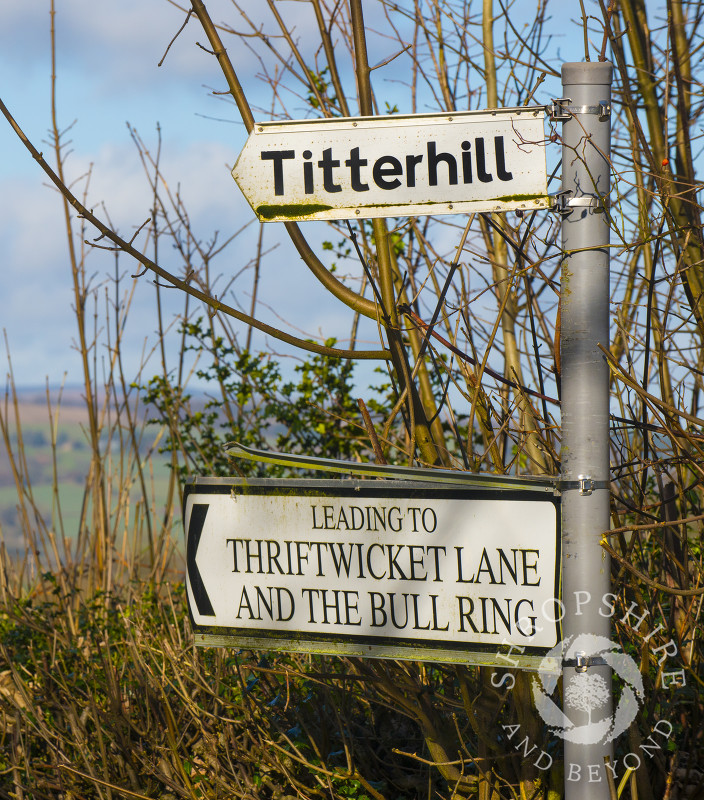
pixel 412 165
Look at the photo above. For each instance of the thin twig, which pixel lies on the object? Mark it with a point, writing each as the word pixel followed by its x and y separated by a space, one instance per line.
pixel 178 33
pixel 372 433
pixel 506 381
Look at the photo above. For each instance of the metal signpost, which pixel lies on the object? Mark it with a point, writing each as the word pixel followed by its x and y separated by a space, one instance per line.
pixel 586 134
pixel 363 167
pixel 393 569
pixel 452 570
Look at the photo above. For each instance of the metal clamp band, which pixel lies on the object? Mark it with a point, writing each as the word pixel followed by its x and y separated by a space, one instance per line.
pixel 561 111
pixel 586 201
pixel 581 662
pixel 585 483
pixel 563 203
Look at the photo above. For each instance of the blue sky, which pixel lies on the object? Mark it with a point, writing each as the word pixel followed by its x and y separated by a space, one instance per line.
pixel 108 76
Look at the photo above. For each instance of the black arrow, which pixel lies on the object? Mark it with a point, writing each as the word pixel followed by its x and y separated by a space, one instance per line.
pixel 199 512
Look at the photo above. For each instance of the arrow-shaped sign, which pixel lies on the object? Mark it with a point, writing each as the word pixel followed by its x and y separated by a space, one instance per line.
pixel 387 568
pixel 362 167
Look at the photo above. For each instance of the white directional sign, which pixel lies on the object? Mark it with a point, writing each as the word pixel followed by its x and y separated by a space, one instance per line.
pixel 374 568
pixel 413 165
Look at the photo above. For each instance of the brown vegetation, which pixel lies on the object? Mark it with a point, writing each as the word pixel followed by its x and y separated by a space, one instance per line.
pixel 102 692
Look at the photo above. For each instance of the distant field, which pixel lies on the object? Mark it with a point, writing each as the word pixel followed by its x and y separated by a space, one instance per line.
pixel 36 412
pixel 72 457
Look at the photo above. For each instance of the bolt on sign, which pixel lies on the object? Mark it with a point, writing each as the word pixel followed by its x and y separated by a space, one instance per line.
pixel 387 569
pixel 411 165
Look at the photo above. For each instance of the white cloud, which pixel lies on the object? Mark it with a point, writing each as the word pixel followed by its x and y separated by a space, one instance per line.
pixel 116 46
pixel 35 305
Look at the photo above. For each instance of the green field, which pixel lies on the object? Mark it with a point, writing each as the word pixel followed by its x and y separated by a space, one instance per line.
pixel 53 478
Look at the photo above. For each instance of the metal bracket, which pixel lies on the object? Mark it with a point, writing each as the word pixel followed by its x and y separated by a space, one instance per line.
pixel 581 662
pixel 585 483
pixel 564 204
pixel 557 111
pixel 560 202
pixel 561 111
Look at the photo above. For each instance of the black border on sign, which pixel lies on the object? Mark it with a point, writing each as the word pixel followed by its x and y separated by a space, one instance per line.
pixel 346 487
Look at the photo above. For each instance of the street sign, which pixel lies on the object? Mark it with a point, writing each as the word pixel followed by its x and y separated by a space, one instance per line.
pixel 376 568
pixel 411 165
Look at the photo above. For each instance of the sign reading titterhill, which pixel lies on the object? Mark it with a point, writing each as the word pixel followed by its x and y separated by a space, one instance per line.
pixel 338 168
pixel 374 568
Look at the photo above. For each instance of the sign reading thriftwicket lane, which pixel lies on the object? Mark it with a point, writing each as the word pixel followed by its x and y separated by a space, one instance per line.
pixel 395 166
pixel 374 568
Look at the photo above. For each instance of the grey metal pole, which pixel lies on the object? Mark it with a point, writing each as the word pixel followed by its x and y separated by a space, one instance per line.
pixel 586 135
